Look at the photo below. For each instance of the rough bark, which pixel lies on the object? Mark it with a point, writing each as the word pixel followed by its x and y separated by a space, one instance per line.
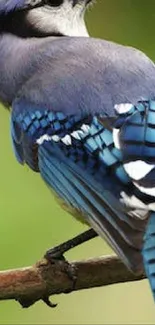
pixel 40 281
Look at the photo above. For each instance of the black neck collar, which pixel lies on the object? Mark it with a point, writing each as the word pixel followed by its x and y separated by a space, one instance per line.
pixel 16 23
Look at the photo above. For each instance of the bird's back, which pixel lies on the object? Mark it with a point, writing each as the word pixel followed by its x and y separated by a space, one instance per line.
pixel 86 74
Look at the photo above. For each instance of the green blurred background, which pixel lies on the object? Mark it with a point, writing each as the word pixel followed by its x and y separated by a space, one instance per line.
pixel 31 221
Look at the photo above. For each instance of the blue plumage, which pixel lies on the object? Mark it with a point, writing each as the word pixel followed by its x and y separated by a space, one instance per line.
pixel 83 166
pixel 10 5
pixel 83 116
pixel 7 6
pixel 89 167
pixel 148 251
pixel 137 133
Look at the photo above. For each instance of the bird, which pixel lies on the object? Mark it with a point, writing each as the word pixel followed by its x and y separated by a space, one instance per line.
pixel 82 114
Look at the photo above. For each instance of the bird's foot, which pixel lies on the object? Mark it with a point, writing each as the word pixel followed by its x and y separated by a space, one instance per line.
pixel 49 303
pixel 55 255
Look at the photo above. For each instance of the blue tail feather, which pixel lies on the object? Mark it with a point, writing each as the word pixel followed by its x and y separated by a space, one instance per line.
pixel 148 251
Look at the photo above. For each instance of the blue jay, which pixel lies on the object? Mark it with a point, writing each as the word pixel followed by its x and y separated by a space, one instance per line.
pixel 83 116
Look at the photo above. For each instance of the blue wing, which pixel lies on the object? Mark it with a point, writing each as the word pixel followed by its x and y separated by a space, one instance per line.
pixel 77 157
pixel 136 136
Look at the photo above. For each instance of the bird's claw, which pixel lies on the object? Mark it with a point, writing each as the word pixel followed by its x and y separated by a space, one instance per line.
pixel 53 255
pixel 49 303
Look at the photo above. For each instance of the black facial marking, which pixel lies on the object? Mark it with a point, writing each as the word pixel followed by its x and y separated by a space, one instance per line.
pixel 16 23
pixel 84 2
pixel 75 2
pixel 53 3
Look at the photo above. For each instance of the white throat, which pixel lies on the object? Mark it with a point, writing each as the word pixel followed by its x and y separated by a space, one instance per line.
pixel 66 20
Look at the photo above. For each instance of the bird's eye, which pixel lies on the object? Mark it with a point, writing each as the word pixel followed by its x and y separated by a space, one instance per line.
pixel 54 3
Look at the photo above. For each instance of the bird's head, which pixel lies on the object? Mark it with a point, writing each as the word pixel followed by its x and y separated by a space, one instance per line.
pixel 41 18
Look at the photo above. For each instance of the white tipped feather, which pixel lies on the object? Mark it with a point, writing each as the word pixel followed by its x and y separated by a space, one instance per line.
pixel 147 190
pixel 43 138
pixel 75 135
pixel 138 208
pixel 116 138
pixel 123 108
pixel 81 133
pixel 85 128
pixel 67 140
pixel 55 138
pixel 137 169
pixel 46 137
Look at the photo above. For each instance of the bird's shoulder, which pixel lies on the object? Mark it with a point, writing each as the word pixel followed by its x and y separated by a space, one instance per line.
pixel 92 75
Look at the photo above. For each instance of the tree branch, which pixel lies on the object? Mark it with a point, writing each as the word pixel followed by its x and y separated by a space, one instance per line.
pixel 30 284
